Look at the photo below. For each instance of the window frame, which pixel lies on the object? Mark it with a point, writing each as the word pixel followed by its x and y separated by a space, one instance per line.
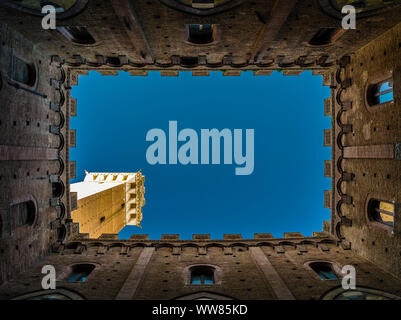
pixel 67 271
pixel 372 221
pixel 374 82
pixel 334 293
pixel 33 68
pixel 216 34
pixel 204 274
pixel 21 230
pixel 334 266
pixel 217 274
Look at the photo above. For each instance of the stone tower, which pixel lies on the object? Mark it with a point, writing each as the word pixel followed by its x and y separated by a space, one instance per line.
pixel 108 201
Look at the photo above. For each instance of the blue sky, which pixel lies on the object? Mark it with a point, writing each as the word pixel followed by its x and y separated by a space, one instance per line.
pixel 283 194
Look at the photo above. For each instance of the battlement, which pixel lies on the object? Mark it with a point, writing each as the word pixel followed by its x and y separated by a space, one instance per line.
pixel 206 237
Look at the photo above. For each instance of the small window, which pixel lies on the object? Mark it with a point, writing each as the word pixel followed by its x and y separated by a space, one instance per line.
pixel 23 72
pixel 57 189
pixel 102 219
pixel 381 211
pixel 78 35
pixel 381 92
pixel 113 61
pixel 80 272
pixel 202 275
pixel 324 270
pixel 23 213
pixel 201 33
pixel 326 36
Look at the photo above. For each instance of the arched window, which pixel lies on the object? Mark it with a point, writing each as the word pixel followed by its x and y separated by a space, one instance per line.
pixel 381 212
pixel 23 213
pixel 59 5
pixel 202 7
pixel 380 92
pixel 79 35
pixel 202 275
pixel 324 270
pixel 204 295
pixel 201 33
pixel 359 294
pixel 64 8
pixel 79 272
pixel 361 5
pixel 57 294
pixel 364 8
pixel 23 72
pixel 326 36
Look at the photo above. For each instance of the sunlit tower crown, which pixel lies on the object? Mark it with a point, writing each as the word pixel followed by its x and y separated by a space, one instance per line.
pixel 107 202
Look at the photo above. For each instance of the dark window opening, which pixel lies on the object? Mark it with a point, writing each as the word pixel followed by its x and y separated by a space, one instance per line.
pixel 57 189
pixel 381 211
pixel 381 92
pixel 201 33
pixel 324 270
pixel 189 61
pixel 113 61
pixel 77 34
pixel 326 36
pixel 202 275
pixel 23 213
pixel 23 72
pixel 80 272
pixel 102 219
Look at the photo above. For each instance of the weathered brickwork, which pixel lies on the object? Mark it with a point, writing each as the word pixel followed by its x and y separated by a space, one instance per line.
pixel 164 274
pixel 369 157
